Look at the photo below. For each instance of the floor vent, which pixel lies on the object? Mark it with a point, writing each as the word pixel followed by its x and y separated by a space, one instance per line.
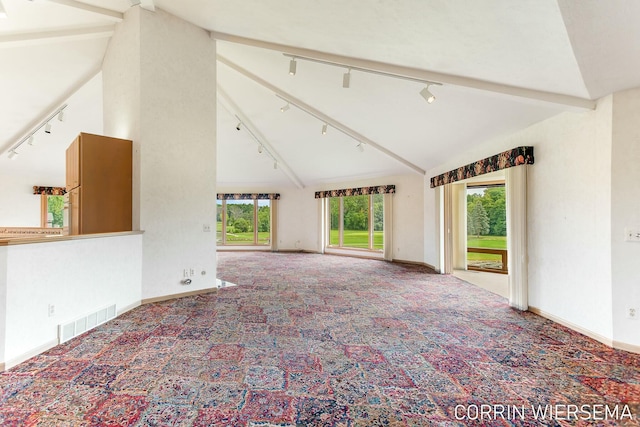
pixel 72 329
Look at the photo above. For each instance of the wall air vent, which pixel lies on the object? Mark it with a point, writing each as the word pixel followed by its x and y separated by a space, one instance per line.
pixel 72 329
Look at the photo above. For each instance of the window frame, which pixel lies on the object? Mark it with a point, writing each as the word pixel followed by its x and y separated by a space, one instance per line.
pixel 256 241
pixel 370 225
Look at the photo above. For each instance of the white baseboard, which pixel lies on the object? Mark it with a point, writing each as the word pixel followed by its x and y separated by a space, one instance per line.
pixel 631 348
pixel 28 355
pixel 604 340
pixel 180 295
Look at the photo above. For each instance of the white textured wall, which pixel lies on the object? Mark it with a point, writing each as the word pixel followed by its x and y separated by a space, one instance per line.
pixel 625 210
pixel 568 212
pixel 19 207
pixel 76 276
pixel 170 112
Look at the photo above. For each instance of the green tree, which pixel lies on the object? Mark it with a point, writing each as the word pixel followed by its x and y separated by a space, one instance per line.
pixel 241 225
pixel 55 206
pixel 356 212
pixel 264 218
pixel 477 220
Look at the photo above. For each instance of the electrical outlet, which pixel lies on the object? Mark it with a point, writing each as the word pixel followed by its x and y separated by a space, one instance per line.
pixel 185 272
pixel 632 313
pixel 51 310
pixel 192 272
pixel 631 235
pixel 206 228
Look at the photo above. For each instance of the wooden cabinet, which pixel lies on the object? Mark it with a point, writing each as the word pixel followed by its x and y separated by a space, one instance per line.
pixel 99 179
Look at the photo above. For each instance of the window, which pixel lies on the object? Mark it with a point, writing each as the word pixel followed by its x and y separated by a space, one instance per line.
pixel 487 227
pixel 51 211
pixel 243 222
pixel 356 222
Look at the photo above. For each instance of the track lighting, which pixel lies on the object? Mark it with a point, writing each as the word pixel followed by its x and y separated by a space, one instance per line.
pixel 284 108
pixel 260 149
pixel 324 129
pixel 238 125
pixel 346 79
pixel 360 147
pixel 426 94
pixel 292 66
pixel 275 164
pixel 3 13
pixel 30 138
pixel 61 116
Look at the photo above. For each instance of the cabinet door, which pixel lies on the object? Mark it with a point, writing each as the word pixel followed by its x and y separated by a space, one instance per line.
pixel 73 165
pixel 75 220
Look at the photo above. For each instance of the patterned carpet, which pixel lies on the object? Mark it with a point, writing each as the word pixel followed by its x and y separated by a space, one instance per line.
pixel 312 340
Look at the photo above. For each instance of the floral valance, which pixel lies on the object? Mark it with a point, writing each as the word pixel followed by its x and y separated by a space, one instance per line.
pixel 380 189
pixel 248 196
pixel 514 157
pixel 49 191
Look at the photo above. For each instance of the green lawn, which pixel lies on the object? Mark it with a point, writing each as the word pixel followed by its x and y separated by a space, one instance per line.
pixel 357 239
pixel 492 242
pixel 242 238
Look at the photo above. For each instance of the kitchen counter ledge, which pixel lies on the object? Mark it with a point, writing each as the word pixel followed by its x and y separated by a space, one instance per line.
pixel 9 241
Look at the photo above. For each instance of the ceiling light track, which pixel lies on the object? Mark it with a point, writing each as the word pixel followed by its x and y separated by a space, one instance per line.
pixel 30 137
pixel 362 69
pixel 318 114
pixel 420 74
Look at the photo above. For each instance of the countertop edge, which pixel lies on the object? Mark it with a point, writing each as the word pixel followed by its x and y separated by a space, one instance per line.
pixel 11 241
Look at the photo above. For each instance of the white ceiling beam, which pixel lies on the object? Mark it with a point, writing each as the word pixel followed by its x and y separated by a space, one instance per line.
pixel 51 108
pixel 104 13
pixel 30 39
pixel 261 139
pixel 414 73
pixel 319 115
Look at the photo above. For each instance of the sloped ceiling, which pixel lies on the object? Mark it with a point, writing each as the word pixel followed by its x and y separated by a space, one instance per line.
pixel 581 49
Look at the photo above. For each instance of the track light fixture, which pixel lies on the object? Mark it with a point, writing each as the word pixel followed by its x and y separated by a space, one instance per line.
pixel 238 125
pixel 292 66
pixel 284 108
pixel 260 149
pixel 3 13
pixel 275 164
pixel 360 147
pixel 427 95
pixel 30 137
pixel 324 129
pixel 346 79
pixel 61 116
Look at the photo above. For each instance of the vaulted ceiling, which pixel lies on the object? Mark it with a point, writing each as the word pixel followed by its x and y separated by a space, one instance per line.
pixel 503 66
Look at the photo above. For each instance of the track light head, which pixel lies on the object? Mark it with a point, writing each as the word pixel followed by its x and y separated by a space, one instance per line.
pixel 238 125
pixel 61 116
pixel 360 147
pixel 346 79
pixel 47 128
pixel 31 140
pixel 324 129
pixel 275 164
pixel 284 108
pixel 292 66
pixel 12 154
pixel 260 149
pixel 427 95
